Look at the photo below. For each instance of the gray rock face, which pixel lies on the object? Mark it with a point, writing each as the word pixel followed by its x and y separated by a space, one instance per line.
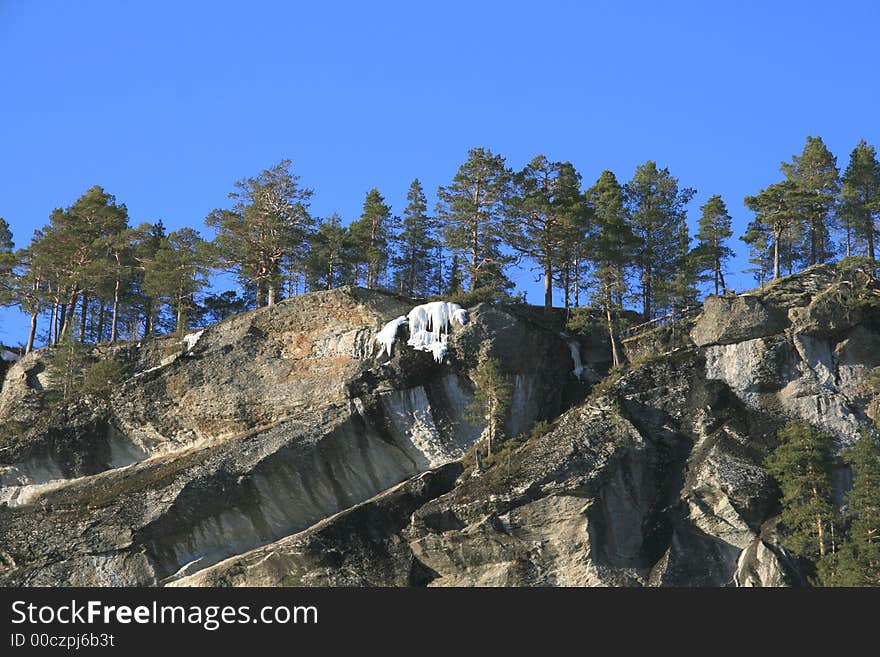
pixel 279 448
pixel 814 367
pixel 728 320
pixel 252 430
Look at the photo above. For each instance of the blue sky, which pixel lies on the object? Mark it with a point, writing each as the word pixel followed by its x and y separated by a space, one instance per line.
pixel 167 104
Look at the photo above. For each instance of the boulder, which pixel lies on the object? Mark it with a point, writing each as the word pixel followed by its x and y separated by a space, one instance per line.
pixel 728 320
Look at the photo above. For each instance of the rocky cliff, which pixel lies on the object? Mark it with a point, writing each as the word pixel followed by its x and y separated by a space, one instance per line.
pixel 280 447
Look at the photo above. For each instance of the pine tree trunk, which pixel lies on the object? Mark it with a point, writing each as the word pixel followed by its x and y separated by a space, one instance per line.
pixel 270 297
pixel 776 237
pixel 820 528
pixel 717 272
pixel 68 311
pixel 32 334
pixel 84 312
pixel 100 329
pixel 615 357
pixel 62 321
pixel 330 272
pixel 475 239
pixel 870 237
pixel 114 323
pixel 548 286
pixel 566 284
pixel 148 318
pixel 53 327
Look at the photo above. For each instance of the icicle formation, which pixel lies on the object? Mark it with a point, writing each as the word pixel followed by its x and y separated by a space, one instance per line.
pixel 428 328
pixel 388 334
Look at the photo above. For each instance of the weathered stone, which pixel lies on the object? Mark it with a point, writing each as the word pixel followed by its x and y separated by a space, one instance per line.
pixel 252 430
pixel 727 320
pixel 280 448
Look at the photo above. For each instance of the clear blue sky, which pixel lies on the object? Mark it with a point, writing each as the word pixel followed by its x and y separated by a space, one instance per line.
pixel 167 104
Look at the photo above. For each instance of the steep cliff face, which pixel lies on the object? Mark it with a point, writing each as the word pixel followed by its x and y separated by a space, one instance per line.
pixel 244 433
pixel 281 449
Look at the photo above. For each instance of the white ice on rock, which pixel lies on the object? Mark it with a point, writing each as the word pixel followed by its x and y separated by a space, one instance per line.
pixel 429 326
pixel 388 334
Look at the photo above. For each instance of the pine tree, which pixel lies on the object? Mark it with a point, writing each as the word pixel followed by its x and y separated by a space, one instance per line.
pixel 682 288
pixel 860 198
pixel 493 392
pixel 545 214
pixel 372 236
pixel 178 271
pixel 859 564
pixel 147 239
pixel 470 210
pixel 329 263
pixel 814 173
pixel 656 207
pixel 218 307
pixel 118 269
pixel 99 221
pixel 801 465
pixel 268 222
pixel 760 251
pixel 612 249
pixel 68 252
pixel 454 285
pixel 27 290
pixel 7 263
pixel 67 366
pixel 102 378
pixel 712 251
pixel 415 267
pixel 775 227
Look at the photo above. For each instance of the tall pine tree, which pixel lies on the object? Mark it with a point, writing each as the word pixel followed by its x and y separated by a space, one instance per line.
pixel 801 465
pixel 657 209
pixel 860 198
pixel 372 236
pixel 7 263
pixel 178 271
pixel 416 264
pixel 546 214
pixel 815 175
pixel 712 251
pixel 269 220
pixel 859 560
pixel 775 229
pixel 470 210
pixel 612 249
pixel 329 263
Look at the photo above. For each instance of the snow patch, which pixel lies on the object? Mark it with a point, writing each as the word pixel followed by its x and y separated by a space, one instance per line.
pixel 429 326
pixel 191 339
pixel 8 356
